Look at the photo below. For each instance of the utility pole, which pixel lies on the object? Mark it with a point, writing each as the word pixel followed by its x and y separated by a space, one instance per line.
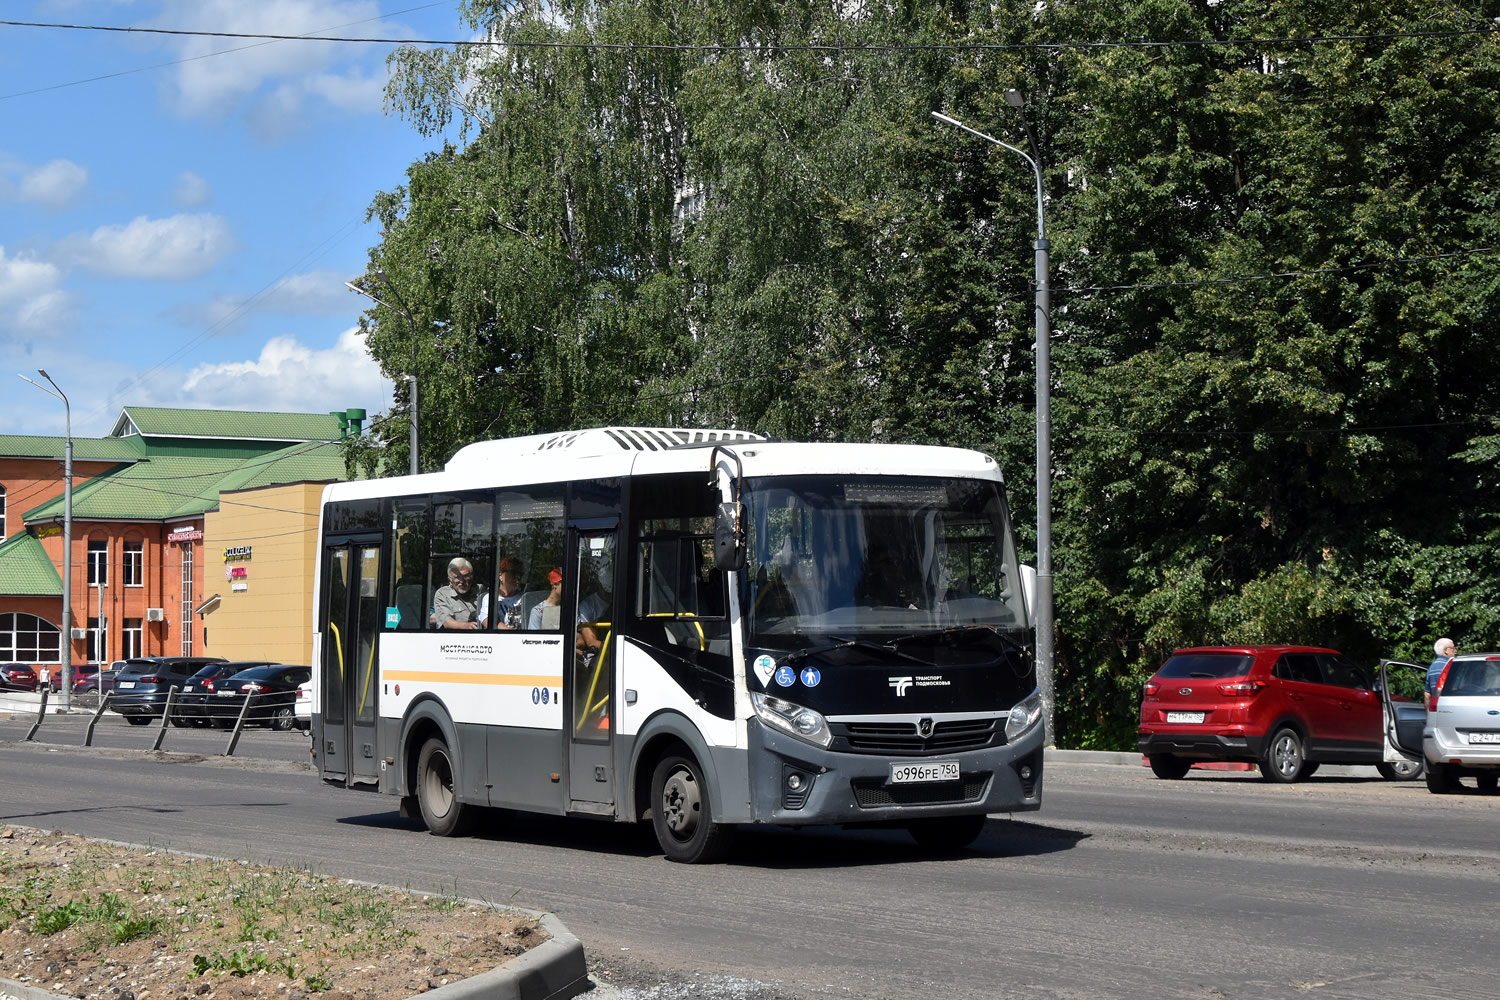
pixel 1042 616
pixel 65 695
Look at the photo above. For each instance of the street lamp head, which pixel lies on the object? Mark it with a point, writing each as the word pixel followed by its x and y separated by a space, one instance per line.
pixel 1014 99
pixel 43 373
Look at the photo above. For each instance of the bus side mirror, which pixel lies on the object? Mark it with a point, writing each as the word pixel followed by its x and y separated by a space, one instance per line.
pixel 729 548
pixel 1028 589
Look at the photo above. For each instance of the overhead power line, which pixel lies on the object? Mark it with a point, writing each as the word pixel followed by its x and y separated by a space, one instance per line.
pixel 753 47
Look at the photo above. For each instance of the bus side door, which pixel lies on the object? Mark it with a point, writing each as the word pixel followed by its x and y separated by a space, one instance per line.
pixel 591 676
pixel 351 619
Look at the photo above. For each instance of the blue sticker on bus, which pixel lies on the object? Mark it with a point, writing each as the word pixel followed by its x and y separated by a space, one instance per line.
pixel 536 696
pixel 786 676
pixel 811 677
pixel 546 694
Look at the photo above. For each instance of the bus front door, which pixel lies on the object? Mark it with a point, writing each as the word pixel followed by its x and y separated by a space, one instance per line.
pixel 591 681
pixel 347 682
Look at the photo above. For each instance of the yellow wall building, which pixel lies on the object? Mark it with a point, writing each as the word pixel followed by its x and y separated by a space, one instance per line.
pixel 262 544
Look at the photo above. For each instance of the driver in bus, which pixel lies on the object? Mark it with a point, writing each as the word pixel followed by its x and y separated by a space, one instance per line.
pixel 456 606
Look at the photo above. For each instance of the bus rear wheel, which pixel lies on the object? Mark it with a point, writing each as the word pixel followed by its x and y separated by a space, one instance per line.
pixel 682 815
pixel 441 810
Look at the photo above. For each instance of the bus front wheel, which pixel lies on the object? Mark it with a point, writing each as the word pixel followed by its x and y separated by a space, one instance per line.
pixel 441 810
pixel 681 813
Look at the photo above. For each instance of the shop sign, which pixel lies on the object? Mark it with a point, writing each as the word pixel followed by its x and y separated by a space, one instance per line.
pixel 239 586
pixel 236 572
pixel 237 552
pixel 48 530
pixel 190 535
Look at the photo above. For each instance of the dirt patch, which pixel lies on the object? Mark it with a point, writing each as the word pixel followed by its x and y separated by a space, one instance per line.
pixel 106 922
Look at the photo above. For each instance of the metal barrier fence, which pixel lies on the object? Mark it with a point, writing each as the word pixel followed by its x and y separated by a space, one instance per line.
pixel 274 709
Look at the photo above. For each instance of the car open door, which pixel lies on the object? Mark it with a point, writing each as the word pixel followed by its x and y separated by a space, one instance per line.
pixel 1403 693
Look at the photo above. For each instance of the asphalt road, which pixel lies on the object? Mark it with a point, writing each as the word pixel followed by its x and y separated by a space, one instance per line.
pixel 1217 886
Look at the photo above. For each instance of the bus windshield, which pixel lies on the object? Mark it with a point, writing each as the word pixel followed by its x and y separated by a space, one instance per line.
pixel 842 555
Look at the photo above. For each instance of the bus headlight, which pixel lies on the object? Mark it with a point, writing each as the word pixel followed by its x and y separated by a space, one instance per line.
pixel 1024 716
pixel 792 719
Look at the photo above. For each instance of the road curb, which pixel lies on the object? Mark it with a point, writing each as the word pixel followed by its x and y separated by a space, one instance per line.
pixel 1053 754
pixel 553 970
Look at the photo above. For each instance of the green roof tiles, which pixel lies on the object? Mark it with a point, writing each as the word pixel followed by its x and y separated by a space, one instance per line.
pixel 299 463
pixel 84 449
pixel 164 487
pixel 25 570
pixel 160 421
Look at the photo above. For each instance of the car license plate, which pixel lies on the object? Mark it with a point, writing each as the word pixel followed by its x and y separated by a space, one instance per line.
pixel 1184 716
pixel 125 684
pixel 226 694
pixel 1484 737
pixel 913 774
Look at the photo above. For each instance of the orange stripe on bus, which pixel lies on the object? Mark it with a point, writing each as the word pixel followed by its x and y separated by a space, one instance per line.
pixel 451 677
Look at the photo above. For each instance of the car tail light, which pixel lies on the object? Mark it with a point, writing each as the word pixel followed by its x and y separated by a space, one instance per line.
pixel 1432 699
pixel 150 680
pixel 253 687
pixel 1241 689
pixel 1151 690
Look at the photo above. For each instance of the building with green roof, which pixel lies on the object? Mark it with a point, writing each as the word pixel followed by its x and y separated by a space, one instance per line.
pixel 140 497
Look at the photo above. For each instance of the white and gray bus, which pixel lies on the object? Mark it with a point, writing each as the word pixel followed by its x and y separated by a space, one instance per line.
pixel 706 628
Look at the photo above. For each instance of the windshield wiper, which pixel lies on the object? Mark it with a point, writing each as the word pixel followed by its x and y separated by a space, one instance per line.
pixel 842 643
pixel 955 631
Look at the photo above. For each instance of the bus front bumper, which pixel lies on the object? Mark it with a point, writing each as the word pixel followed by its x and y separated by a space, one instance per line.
pixel 794 783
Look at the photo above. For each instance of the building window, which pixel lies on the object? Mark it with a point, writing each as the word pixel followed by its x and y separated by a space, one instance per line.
pixel 28 639
pixel 135 564
pixel 99 563
pixel 97 652
pixel 187 598
pixel 131 637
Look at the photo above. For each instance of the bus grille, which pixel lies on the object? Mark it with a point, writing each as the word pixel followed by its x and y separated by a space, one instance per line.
pixel 873 793
pixel 950 736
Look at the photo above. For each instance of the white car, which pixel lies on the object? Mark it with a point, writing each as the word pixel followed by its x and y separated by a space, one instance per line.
pixel 302 707
pixel 1462 735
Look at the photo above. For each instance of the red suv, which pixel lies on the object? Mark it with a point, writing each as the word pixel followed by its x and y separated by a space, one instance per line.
pixel 1286 708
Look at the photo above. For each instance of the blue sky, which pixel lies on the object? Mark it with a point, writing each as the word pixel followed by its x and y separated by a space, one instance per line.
pixel 179 235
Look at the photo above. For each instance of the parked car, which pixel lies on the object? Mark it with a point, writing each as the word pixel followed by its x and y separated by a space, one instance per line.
pixel 1462 734
pixel 103 680
pixel 78 670
pixel 17 677
pixel 302 707
pixel 191 706
pixel 275 692
pixel 1287 709
pixel 141 685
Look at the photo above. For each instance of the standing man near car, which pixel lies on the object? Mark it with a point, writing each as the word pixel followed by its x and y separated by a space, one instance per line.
pixel 1445 651
pixel 46 679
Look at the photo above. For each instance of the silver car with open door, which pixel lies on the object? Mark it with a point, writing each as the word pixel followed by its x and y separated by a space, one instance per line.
pixel 1462 735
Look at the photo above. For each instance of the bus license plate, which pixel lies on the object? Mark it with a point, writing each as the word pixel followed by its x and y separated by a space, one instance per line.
pixel 1484 738
pixel 912 774
pixel 1184 716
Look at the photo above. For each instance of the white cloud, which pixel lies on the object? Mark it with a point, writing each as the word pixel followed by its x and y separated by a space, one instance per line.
pixel 192 191
pixel 291 376
pixel 31 299
pixel 317 293
pixel 55 185
pixel 211 86
pixel 174 248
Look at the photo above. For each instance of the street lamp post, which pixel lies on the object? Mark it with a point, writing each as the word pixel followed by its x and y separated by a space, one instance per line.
pixel 66 693
pixel 411 378
pixel 1042 617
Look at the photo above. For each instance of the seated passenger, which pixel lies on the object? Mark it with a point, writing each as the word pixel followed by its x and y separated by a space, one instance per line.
pixel 510 596
pixel 457 606
pixel 546 615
